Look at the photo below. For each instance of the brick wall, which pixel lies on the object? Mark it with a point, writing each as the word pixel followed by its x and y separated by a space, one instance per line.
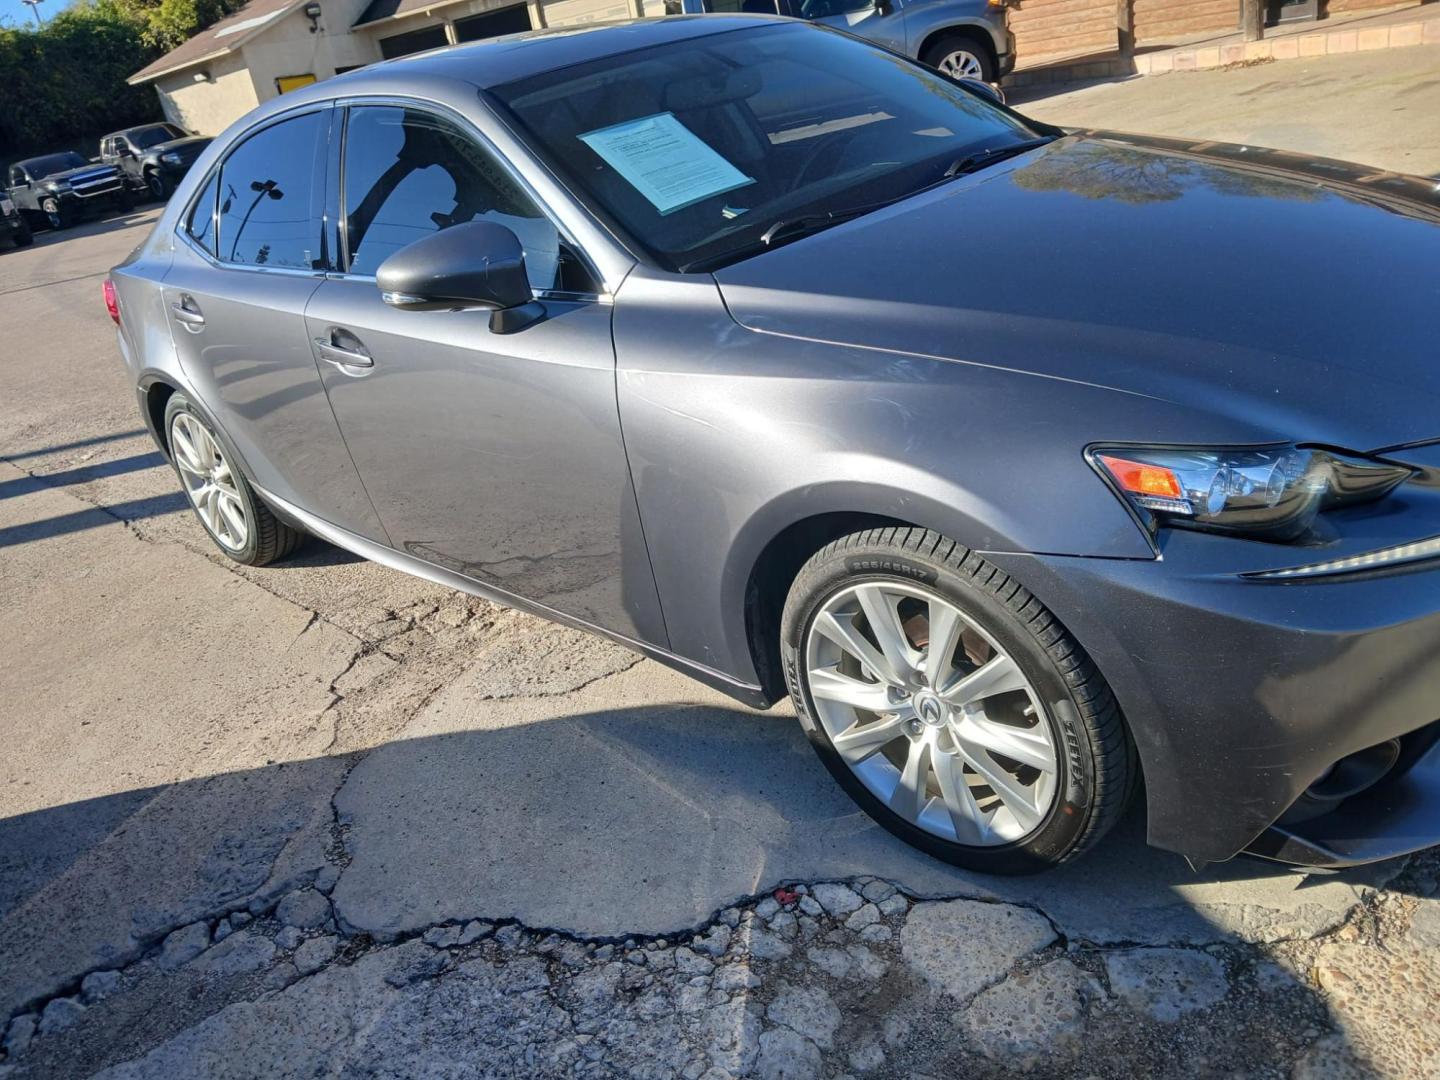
pixel 1046 28
pixel 1159 21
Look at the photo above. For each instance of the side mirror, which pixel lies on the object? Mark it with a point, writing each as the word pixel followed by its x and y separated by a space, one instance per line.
pixel 476 264
pixel 989 91
pixel 884 7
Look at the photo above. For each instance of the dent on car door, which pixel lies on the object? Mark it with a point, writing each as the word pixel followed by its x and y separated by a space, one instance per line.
pixel 250 256
pixel 494 455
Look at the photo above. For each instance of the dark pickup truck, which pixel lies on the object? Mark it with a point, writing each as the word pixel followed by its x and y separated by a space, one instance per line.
pixel 60 189
pixel 152 157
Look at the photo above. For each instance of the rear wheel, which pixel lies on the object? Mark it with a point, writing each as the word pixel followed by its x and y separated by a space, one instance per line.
pixel 23 236
pixel 241 525
pixel 158 185
pixel 951 705
pixel 961 57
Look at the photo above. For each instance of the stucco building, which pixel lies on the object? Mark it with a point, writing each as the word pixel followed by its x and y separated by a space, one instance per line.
pixel 270 46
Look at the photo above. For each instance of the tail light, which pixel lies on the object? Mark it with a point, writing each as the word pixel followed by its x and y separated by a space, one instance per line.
pixel 111 304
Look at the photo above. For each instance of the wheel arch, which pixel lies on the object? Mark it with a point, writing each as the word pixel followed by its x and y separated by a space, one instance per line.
pixel 972 31
pixel 771 547
pixel 156 391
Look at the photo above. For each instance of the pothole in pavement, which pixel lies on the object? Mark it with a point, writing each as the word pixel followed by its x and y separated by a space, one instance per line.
pixel 815 979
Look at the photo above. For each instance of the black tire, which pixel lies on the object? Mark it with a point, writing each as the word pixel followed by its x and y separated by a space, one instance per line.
pixel 936 53
pixel 24 238
pixel 1095 758
pixel 57 214
pixel 159 186
pixel 269 539
pixel 126 199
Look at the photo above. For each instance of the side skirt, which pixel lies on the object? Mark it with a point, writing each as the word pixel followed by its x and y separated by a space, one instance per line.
pixel 745 693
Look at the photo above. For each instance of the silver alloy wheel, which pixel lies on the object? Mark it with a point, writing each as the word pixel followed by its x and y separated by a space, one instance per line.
pixel 930 714
pixel 208 481
pixel 962 64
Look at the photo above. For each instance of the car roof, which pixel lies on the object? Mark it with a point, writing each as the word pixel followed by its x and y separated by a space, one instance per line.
pixel 496 61
pixel 143 127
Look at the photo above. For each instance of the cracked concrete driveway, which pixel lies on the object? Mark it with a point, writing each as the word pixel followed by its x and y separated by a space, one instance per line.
pixel 326 819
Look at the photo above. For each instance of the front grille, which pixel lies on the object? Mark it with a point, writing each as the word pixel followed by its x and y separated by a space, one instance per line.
pixel 102 186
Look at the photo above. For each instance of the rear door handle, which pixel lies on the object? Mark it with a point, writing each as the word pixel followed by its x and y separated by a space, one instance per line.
pixel 341 357
pixel 187 314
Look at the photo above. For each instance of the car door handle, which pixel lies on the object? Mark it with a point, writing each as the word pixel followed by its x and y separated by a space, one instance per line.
pixel 341 357
pixel 187 315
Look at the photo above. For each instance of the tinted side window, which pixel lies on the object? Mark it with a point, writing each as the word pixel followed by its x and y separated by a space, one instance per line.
pixel 201 225
pixel 271 195
pixel 823 9
pixel 409 173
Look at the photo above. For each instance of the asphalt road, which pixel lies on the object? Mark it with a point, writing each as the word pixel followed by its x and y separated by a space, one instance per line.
pixel 441 837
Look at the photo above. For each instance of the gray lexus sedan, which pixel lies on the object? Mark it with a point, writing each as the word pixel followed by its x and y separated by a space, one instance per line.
pixel 674 330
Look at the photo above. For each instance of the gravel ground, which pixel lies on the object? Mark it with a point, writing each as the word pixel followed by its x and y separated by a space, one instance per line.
pixel 326 819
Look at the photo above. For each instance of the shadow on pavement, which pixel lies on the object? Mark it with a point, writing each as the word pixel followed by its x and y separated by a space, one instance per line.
pixel 91 518
pixel 639 820
pixel 42 451
pixel 81 474
pixel 97 226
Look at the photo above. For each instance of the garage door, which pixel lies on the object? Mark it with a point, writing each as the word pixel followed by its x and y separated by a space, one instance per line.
pixel 569 12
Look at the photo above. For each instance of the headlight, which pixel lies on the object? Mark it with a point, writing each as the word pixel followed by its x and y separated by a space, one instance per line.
pixel 170 158
pixel 1268 493
pixel 58 185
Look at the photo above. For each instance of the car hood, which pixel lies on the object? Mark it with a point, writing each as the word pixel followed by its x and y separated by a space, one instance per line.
pixel 188 147
pixel 1296 297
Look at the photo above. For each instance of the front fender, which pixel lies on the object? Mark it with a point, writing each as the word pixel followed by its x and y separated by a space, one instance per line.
pixel 733 436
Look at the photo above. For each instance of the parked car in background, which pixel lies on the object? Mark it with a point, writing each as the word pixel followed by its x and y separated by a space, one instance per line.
pixel 12 223
pixel 13 226
pixel 966 39
pixel 152 157
pixel 676 330
pixel 59 189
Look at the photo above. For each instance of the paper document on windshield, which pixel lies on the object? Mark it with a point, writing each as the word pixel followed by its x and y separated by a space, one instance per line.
pixel 664 160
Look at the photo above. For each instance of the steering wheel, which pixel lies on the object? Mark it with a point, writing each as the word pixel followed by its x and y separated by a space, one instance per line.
pixel 826 145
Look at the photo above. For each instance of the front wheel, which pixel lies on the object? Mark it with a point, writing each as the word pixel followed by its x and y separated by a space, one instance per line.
pixel 158 185
pixel 960 57
pixel 57 214
pixel 241 525
pixel 951 705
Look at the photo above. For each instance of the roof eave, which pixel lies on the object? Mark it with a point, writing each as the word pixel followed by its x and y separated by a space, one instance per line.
pixel 240 39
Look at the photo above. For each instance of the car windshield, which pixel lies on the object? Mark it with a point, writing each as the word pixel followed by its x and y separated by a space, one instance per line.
pixel 703 151
pixel 153 136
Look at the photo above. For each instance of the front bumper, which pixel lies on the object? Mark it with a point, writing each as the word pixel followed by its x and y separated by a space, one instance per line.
pixel 1241 694
pixel 1005 58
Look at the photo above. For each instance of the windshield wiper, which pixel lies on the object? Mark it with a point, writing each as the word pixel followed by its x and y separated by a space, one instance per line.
pixel 975 162
pixel 792 228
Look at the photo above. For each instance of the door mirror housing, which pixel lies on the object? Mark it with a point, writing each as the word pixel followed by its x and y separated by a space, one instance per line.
pixel 475 264
pixel 989 91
